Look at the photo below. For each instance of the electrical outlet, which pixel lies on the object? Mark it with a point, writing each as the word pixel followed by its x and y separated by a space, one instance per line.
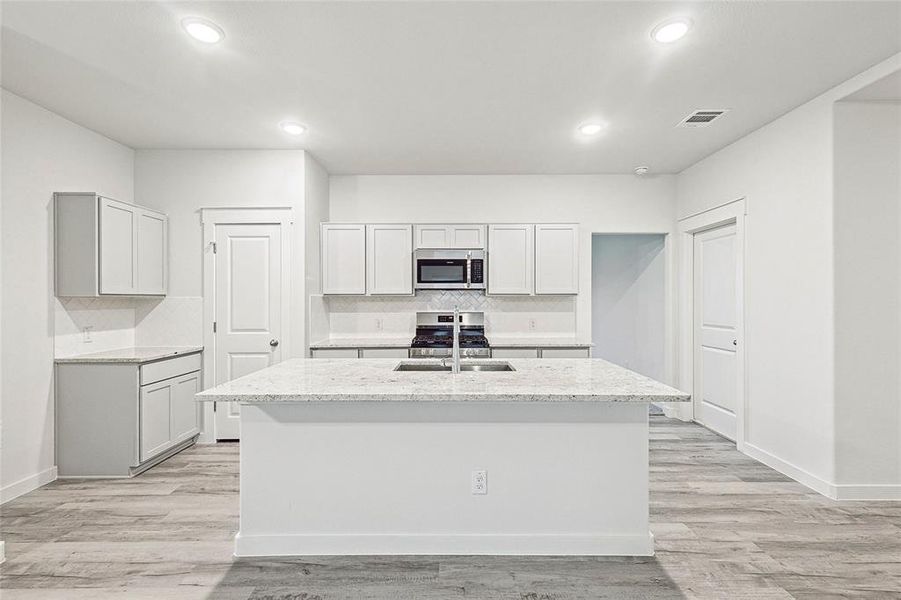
pixel 532 324
pixel 480 482
pixel 378 324
pixel 86 334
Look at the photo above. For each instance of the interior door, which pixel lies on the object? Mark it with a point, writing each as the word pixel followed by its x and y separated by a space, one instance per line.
pixel 716 307
pixel 248 309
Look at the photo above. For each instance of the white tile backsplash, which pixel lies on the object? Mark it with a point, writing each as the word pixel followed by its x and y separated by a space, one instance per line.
pixel 169 321
pixel 111 322
pixel 368 316
pixel 126 322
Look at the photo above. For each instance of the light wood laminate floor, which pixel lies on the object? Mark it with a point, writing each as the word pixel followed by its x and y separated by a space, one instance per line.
pixel 726 527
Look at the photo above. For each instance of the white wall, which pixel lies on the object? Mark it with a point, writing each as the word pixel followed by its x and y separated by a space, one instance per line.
pixel 867 292
pixel 599 203
pixel 628 300
pixel 42 153
pixel 784 170
pixel 316 206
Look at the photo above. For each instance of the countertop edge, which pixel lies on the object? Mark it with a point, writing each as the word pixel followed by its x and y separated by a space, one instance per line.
pixel 90 359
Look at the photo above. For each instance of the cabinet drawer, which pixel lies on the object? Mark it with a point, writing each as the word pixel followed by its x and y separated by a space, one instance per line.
pixel 385 353
pixel 171 367
pixel 514 353
pixel 335 353
pixel 564 352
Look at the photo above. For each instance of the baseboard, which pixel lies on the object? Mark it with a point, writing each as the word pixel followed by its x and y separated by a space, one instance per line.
pixel 867 491
pixel 444 544
pixel 786 468
pixel 28 484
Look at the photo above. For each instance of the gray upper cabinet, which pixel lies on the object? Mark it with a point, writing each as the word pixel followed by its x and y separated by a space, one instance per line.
pixel 108 247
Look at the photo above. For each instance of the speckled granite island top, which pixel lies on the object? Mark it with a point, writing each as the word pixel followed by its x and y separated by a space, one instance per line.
pixel 137 355
pixel 375 380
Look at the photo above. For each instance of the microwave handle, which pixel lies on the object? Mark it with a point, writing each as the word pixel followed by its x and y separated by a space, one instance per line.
pixel 469 269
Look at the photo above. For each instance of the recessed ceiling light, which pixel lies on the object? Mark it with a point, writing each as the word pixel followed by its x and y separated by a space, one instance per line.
pixel 292 127
pixel 590 128
pixel 671 30
pixel 202 30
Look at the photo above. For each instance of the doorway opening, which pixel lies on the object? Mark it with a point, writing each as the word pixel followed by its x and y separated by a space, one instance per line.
pixel 628 302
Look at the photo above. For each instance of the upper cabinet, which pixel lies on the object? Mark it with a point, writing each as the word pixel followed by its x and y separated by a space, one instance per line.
pixel 107 247
pixel 343 255
pixel 389 259
pixel 511 259
pixel 557 259
pixel 469 236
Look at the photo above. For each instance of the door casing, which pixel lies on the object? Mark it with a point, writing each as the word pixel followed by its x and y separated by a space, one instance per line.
pixel 730 212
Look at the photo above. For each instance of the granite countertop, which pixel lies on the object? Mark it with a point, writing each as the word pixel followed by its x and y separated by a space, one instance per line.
pixel 130 355
pixel 520 341
pixel 502 341
pixel 364 342
pixel 374 380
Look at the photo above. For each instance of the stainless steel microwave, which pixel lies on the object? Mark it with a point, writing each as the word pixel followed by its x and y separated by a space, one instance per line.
pixel 449 269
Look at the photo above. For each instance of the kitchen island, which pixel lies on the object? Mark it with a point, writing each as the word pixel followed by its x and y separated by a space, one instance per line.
pixel 351 456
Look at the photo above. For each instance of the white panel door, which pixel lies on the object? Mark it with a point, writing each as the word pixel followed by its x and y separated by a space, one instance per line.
pixel 716 307
pixel 511 255
pixel 248 309
pixel 556 259
pixel 151 252
pixel 343 255
pixel 118 247
pixel 389 259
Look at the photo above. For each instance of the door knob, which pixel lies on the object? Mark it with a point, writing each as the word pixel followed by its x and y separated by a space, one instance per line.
pixel 273 343
pixel 735 342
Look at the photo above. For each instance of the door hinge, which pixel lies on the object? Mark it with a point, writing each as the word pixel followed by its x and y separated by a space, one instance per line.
pixel 214 326
pixel 214 406
pixel 214 247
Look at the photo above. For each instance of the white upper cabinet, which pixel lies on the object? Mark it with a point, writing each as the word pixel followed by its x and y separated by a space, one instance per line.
pixel 556 259
pixel 511 253
pixel 389 259
pixel 107 247
pixel 450 236
pixel 152 252
pixel 118 248
pixel 343 256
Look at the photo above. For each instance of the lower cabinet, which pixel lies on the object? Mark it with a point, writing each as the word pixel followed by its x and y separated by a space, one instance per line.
pixel 360 353
pixel 119 419
pixel 168 413
pixel 575 352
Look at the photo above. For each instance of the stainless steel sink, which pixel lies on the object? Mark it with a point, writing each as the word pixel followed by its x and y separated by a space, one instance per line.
pixel 433 367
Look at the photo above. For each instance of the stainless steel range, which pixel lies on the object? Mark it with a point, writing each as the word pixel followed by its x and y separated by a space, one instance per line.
pixel 435 335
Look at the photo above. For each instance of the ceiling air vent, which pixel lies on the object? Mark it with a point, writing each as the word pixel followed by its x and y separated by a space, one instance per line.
pixel 702 118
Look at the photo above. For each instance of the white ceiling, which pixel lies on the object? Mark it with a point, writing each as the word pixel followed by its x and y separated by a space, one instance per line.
pixel 887 89
pixel 439 87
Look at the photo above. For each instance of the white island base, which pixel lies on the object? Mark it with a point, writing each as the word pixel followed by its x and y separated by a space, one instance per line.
pixel 345 478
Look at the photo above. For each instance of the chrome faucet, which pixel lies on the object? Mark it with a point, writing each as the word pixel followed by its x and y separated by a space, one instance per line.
pixel 455 352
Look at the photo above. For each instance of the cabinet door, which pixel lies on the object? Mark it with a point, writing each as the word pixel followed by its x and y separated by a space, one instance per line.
pixel 432 236
pixel 565 353
pixel 389 259
pixel 152 257
pixel 155 418
pixel 118 247
pixel 335 353
pixel 556 259
pixel 511 257
pixel 384 353
pixel 467 236
pixel 514 353
pixel 184 410
pixel 343 255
